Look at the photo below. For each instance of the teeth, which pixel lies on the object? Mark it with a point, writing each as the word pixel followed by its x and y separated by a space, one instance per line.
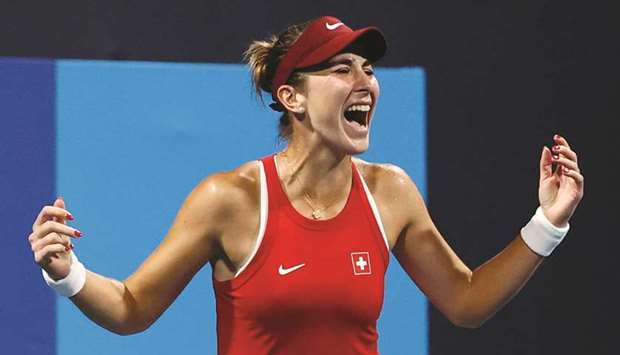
pixel 363 108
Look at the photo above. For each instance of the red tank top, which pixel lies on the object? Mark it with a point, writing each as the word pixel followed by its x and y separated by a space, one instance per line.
pixel 310 286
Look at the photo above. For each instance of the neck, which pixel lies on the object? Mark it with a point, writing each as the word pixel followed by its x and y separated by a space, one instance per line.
pixel 316 170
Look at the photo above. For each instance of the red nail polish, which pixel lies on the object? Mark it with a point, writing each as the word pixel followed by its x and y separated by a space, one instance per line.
pixel 70 217
pixel 77 233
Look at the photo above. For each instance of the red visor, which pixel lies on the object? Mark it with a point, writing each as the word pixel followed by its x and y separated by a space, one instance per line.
pixel 323 38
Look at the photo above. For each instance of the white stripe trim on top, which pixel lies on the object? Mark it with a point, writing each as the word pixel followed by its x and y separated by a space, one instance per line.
pixel 264 209
pixel 375 210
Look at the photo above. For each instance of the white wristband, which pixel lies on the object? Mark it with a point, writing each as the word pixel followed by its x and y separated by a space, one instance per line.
pixel 71 284
pixel 542 236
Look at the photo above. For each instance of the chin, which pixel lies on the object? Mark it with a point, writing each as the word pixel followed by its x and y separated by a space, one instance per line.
pixel 346 144
pixel 357 147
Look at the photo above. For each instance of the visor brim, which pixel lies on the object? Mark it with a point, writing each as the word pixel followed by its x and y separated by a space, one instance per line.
pixel 370 41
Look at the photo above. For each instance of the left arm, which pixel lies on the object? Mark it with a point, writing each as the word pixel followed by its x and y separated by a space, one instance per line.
pixel 469 298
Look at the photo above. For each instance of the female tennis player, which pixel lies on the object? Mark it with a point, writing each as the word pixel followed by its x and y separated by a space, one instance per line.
pixel 299 241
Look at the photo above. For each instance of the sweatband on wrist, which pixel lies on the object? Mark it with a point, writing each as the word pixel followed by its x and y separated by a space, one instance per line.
pixel 542 236
pixel 73 283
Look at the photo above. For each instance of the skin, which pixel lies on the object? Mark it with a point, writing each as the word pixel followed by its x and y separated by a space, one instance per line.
pixel 218 222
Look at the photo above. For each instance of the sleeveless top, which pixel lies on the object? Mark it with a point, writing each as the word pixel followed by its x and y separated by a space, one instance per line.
pixel 309 286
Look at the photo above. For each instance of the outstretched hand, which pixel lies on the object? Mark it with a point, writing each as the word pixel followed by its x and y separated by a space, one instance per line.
pixel 559 192
pixel 50 239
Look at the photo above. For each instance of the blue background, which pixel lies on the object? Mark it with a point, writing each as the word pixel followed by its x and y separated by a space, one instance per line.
pixel 27 153
pixel 124 143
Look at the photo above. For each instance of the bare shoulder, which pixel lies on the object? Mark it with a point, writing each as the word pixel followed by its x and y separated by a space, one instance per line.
pixel 224 193
pixel 398 199
pixel 221 209
pixel 230 212
pixel 385 178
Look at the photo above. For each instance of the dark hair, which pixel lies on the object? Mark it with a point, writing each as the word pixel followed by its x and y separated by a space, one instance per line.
pixel 263 57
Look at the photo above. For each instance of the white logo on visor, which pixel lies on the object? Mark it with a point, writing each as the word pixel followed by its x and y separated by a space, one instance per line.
pixel 334 26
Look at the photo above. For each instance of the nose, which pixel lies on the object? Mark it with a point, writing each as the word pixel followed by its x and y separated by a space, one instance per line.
pixel 362 79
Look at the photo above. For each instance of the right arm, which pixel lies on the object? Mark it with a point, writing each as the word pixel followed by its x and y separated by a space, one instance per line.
pixel 132 305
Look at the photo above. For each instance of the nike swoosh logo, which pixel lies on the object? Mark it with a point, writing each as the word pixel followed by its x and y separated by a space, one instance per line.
pixel 334 26
pixel 283 271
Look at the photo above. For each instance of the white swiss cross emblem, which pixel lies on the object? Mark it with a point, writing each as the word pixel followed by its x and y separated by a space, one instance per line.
pixel 361 263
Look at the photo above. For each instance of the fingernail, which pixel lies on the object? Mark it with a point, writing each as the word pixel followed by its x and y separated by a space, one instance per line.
pixel 70 217
pixel 555 157
pixel 77 233
pixel 67 248
pixel 556 148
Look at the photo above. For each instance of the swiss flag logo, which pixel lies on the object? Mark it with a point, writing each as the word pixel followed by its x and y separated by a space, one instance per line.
pixel 361 263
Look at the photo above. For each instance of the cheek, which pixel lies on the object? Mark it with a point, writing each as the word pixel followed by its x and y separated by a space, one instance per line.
pixel 375 88
pixel 335 89
pixel 328 96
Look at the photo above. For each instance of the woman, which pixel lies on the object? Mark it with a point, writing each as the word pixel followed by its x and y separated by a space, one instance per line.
pixel 299 241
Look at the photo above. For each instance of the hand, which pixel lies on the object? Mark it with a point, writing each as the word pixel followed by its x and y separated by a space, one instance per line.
pixel 559 192
pixel 50 240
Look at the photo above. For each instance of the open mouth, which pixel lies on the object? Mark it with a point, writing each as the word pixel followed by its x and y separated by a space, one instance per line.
pixel 358 113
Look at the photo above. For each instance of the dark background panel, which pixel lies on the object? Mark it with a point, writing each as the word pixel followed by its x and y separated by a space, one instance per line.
pixel 502 78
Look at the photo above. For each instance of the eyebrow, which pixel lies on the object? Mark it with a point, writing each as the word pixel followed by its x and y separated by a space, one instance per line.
pixel 346 61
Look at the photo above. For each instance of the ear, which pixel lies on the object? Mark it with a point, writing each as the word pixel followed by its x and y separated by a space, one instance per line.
pixel 292 100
